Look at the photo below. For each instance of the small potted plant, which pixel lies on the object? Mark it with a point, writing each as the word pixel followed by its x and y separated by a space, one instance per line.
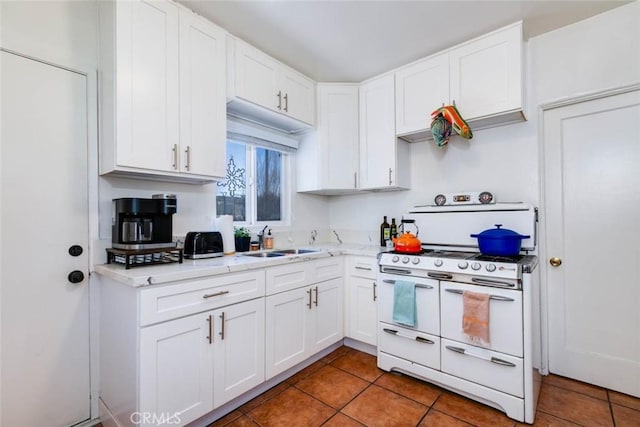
pixel 242 238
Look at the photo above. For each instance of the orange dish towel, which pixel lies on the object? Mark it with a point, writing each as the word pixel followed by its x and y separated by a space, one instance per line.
pixel 475 316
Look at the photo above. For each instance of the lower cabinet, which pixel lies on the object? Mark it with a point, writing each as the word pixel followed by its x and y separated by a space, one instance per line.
pixel 362 291
pixel 301 322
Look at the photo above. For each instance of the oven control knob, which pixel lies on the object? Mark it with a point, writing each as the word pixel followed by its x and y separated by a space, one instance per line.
pixel 437 263
pixel 463 265
pixel 475 266
pixel 415 260
pixel 405 260
pixel 395 258
pixel 490 267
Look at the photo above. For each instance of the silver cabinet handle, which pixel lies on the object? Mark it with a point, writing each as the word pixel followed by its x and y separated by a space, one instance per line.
pixel 355 180
pixel 502 362
pixel 175 156
pixel 456 349
pixel 210 337
pixel 316 301
pixel 363 268
pixel 217 294
pixel 309 303
pixel 442 276
pixel 493 297
pixel 279 95
pixel 188 153
pixel 375 285
pixel 419 339
pixel 222 327
pixel 286 102
pixel 390 181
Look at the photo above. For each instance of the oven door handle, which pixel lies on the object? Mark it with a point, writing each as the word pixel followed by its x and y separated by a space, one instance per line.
pixel 417 338
pixel 418 285
pixel 395 270
pixel 493 282
pixel 441 276
pixel 492 359
pixel 493 297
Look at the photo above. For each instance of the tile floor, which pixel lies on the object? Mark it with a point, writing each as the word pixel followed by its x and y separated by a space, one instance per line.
pixel 347 389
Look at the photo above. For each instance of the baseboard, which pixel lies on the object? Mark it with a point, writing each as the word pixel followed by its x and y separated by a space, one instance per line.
pixel 361 346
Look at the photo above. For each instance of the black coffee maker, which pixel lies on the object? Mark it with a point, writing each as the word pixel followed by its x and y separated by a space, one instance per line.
pixel 139 224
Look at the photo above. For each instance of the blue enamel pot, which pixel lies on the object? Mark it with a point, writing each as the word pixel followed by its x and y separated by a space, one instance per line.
pixel 499 241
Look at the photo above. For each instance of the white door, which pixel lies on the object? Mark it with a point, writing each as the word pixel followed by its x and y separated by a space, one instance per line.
pixel 327 324
pixel 44 212
pixel 299 96
pixel 592 192
pixel 364 310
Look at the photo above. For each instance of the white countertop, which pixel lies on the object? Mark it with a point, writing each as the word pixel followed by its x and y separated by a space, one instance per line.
pixel 194 269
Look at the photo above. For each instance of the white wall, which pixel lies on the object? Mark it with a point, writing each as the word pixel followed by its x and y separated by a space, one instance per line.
pixel 594 54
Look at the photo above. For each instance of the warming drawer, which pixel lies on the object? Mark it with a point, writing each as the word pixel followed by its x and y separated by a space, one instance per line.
pixel 409 344
pixel 505 316
pixel 489 368
pixel 427 302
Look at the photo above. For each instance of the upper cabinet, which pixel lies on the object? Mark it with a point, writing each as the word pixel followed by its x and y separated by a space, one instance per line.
pixel 162 92
pixel 483 77
pixel 327 159
pixel 267 91
pixel 384 160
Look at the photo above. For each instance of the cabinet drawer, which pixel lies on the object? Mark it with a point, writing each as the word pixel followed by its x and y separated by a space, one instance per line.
pixel 505 316
pixel 427 302
pixel 496 370
pixel 164 303
pixel 362 266
pixel 327 269
pixel 409 344
pixel 287 277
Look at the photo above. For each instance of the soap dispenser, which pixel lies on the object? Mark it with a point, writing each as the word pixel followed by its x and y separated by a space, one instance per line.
pixel 268 241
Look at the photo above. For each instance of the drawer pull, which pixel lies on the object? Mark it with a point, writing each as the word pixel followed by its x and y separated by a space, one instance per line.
pixel 419 339
pixel 493 297
pixel 490 282
pixel 442 276
pixel 363 268
pixel 418 285
pixel 316 291
pixel 375 295
pixel 222 327
pixel 491 359
pixel 502 362
pixel 217 294
pixel 210 337
pixel 456 349
pixel 309 304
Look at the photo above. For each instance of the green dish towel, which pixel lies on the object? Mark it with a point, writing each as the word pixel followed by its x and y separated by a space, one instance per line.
pixel 404 303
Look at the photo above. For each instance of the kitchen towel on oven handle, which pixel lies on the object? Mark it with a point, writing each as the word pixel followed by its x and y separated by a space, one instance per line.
pixel 475 316
pixel 404 303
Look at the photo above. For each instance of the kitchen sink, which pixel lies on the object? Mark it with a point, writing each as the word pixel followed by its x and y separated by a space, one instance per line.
pixel 265 254
pixel 296 251
pixel 281 252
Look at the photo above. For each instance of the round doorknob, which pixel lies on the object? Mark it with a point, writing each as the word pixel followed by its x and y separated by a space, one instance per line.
pixel 555 261
pixel 76 276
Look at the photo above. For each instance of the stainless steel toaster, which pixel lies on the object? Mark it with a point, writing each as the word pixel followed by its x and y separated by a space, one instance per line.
pixel 203 244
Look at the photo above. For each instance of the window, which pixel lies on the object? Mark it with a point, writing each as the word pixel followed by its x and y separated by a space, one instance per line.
pixel 254 188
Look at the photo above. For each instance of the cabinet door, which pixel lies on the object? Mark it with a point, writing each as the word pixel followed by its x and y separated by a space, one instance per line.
pixel 486 74
pixel 175 369
pixel 377 133
pixel 363 310
pixel 420 89
pixel 147 84
pixel 287 328
pixel 327 322
pixel 257 77
pixel 238 350
pixel 203 129
pixel 298 96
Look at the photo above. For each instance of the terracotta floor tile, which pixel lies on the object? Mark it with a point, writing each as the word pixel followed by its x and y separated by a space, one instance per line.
pixel 625 417
pixel 304 373
pixel 340 351
pixel 580 387
pixel 291 408
pixel 274 391
pixel 573 406
pixel 341 420
pixel 548 420
pixel 624 400
pixel 412 388
pixel 243 421
pixel 377 406
pixel 226 419
pixel 332 386
pixel 438 419
pixel 360 364
pixel 470 411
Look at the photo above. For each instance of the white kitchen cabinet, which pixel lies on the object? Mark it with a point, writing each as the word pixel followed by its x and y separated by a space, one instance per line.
pixel 162 92
pixel 384 160
pixel 362 290
pixel 328 314
pixel 328 158
pixel 261 86
pixel 420 89
pixel 483 77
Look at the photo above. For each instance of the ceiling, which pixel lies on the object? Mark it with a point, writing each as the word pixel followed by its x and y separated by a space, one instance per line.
pixel 350 41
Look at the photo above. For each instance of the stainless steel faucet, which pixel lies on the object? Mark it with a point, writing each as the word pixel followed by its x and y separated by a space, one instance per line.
pixel 337 237
pixel 314 234
pixel 261 237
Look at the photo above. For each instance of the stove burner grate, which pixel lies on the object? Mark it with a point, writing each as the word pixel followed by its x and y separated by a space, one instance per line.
pixel 497 258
